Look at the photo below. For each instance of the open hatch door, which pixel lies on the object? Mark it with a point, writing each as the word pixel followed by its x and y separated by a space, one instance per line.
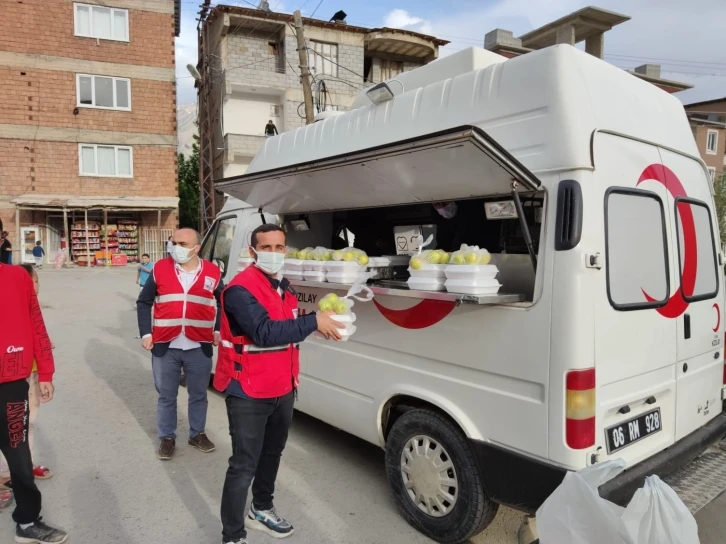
pixel 455 164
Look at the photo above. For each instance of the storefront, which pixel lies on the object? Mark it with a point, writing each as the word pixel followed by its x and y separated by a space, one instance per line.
pixel 94 231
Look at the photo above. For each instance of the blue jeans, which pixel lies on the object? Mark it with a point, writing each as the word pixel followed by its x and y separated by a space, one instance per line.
pixel 258 428
pixel 167 372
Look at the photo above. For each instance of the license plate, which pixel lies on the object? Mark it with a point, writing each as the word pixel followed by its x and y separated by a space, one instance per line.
pixel 628 432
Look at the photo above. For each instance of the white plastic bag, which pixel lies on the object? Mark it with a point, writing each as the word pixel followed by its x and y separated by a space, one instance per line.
pixel 576 514
pixel 656 515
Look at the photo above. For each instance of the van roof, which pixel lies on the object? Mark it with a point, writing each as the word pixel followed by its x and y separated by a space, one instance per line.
pixel 542 107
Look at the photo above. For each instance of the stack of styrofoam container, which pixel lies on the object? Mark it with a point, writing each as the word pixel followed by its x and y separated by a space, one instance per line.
pixel 349 321
pixel 313 270
pixel 474 279
pixel 293 269
pixel 430 277
pixel 343 271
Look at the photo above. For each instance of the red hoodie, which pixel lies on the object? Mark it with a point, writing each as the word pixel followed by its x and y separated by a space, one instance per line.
pixel 23 337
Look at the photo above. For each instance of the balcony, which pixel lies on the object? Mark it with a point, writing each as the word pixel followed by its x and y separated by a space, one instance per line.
pixel 241 145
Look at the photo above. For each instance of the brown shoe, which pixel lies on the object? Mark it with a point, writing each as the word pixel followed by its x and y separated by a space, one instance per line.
pixel 166 449
pixel 202 443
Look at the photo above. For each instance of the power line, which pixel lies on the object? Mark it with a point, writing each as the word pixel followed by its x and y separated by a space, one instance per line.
pixel 316 9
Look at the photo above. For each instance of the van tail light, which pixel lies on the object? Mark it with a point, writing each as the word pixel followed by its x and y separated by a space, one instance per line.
pixel 580 409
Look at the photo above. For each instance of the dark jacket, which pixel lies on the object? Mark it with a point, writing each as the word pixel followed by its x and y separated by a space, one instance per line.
pixel 144 306
pixel 247 317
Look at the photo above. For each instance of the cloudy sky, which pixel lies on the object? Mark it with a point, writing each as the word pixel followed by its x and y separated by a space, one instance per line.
pixel 684 36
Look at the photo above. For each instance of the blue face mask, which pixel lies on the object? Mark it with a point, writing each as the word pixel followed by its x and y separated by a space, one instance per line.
pixel 270 262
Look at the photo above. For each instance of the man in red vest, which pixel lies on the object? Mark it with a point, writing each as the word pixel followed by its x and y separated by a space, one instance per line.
pixel 184 292
pixel 23 339
pixel 257 366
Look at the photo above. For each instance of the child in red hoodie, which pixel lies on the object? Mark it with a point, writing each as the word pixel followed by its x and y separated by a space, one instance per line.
pixel 23 339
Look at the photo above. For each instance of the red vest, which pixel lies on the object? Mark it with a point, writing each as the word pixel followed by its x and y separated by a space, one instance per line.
pixel 175 311
pixel 266 372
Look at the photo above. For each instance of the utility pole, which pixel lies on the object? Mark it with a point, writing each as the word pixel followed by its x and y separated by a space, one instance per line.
pixel 207 208
pixel 304 69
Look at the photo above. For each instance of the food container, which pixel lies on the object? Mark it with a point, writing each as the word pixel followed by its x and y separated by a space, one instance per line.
pixel 314 266
pixel 484 286
pixel 312 275
pixel 294 264
pixel 430 271
pixel 344 267
pixel 471 271
pixel 426 284
pixel 347 332
pixel 292 274
pixel 244 262
pixel 343 277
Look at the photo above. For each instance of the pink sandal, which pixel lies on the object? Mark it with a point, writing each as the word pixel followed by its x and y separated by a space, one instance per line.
pixel 42 473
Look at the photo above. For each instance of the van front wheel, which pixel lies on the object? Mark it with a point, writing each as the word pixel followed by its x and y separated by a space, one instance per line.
pixel 435 478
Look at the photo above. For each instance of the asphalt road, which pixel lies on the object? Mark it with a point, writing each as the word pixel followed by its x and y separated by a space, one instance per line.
pixel 99 438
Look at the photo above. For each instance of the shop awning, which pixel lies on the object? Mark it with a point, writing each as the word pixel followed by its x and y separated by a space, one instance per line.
pixel 135 203
pixel 454 164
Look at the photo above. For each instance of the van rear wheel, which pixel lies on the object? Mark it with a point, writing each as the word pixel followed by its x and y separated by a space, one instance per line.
pixel 435 478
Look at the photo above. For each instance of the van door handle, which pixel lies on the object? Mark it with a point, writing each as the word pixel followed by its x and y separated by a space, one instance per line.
pixel 686 326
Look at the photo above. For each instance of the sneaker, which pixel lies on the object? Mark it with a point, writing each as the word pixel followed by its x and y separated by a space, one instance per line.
pixel 268 522
pixel 202 443
pixel 39 533
pixel 166 449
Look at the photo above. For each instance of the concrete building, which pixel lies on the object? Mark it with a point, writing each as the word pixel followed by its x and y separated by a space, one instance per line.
pixel 708 121
pixel 256 74
pixel 587 25
pixel 88 125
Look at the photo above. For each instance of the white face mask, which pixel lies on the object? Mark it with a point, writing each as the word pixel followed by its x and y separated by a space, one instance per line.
pixel 448 211
pixel 270 261
pixel 181 254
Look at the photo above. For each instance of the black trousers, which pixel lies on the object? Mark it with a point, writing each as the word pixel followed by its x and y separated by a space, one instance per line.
pixel 259 429
pixel 14 417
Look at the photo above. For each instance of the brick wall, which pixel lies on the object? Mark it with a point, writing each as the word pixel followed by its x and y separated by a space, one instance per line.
pixel 46 27
pixel 28 167
pixel 240 144
pixel 47 98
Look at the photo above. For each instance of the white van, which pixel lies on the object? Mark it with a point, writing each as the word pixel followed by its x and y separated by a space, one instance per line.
pixel 606 339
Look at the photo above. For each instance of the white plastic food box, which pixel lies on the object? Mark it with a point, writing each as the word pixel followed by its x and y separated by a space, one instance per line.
pixel 471 271
pixel 312 275
pixel 294 264
pixel 293 274
pixel 426 284
pixel 483 286
pixel 388 260
pixel 349 329
pixel 342 277
pixel 344 267
pixel 244 262
pixel 431 271
pixel 314 266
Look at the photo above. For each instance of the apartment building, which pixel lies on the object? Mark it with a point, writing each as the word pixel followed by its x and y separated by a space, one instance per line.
pixel 255 75
pixel 589 25
pixel 708 122
pixel 88 126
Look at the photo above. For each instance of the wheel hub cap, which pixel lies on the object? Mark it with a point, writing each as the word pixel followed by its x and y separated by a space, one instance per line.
pixel 429 476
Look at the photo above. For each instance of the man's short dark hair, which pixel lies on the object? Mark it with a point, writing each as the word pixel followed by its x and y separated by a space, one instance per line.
pixel 146 255
pixel 29 269
pixel 267 227
pixel 37 243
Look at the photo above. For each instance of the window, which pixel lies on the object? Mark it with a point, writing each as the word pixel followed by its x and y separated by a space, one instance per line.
pixel 101 22
pixel 324 59
pixel 223 243
pixel 390 69
pixel 272 48
pixel 712 173
pixel 113 161
pixel 103 92
pixel 635 247
pixel 711 142
pixel 697 257
pixel 274 110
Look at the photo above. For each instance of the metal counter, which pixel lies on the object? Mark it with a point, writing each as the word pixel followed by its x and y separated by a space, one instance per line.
pixel 400 289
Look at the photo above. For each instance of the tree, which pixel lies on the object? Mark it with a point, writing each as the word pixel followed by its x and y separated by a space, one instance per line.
pixel 189 188
pixel 719 197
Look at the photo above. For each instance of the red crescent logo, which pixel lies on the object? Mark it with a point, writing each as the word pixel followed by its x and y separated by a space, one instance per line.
pixel 718 317
pixel 424 314
pixel 677 305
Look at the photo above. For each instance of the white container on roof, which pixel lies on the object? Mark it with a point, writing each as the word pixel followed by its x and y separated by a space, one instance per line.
pixel 542 107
